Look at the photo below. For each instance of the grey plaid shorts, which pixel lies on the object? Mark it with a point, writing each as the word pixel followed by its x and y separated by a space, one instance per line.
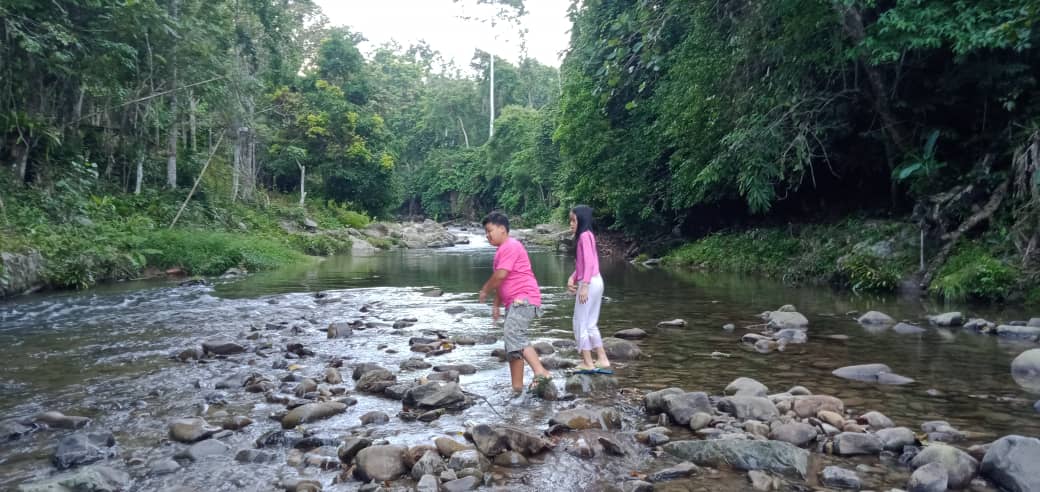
pixel 518 318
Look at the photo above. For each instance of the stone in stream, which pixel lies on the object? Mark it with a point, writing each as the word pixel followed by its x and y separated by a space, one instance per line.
pixel 340 330
pixel 221 346
pixel 630 334
pixel 871 373
pixel 455 310
pixel 165 466
pixel 791 335
pixel 947 319
pixel 448 376
pixel 308 385
pixel 204 449
pixel 854 443
pixel 876 420
pixel 415 364
pixel 361 369
pixel 875 318
pixel 1011 462
pixel 11 429
pixel 511 459
pixel 191 430
pixel 746 387
pixel 681 407
pixel 397 391
pixel 428 483
pixel 255 456
pixel 375 381
pixel 430 464
pixel 436 394
pixel 896 438
pixel 907 329
pixel 332 376
pixel 748 407
pixel 700 420
pixel 461 485
pixel 675 323
pixel 311 412
pixel 447 446
pixel 82 449
pixel 380 463
pixel 1025 370
pixel 459 368
pixel 374 417
pixel 796 433
pixel 543 348
pixel 433 293
pixel 587 418
pixel 960 466
pixel 59 420
pixel 98 478
pixel 942 431
pixel 584 384
pixel 654 401
pixel 682 470
pixel 810 405
pixel 1013 331
pixel 979 325
pixel 774 456
pixel 350 448
pixel 837 477
pixel 782 320
pixel 468 458
pixel 929 478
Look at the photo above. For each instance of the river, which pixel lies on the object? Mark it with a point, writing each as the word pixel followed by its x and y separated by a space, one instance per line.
pixel 105 354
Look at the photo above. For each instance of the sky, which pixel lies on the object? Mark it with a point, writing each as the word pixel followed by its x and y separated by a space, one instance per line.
pixel 439 23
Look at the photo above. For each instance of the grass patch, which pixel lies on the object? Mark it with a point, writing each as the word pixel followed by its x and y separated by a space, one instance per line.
pixel 973 274
pixel 201 252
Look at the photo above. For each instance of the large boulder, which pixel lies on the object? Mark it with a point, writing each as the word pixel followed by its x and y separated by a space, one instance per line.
pixel 748 407
pixel 871 373
pixel 774 456
pixel 1011 463
pixel 746 387
pixel 681 407
pixel 311 412
pixel 1025 370
pixel 82 449
pixel 960 466
pixel 587 418
pixel 436 394
pixel 618 349
pixel 380 463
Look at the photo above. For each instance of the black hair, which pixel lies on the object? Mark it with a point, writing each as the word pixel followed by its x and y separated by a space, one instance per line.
pixel 584 215
pixel 497 218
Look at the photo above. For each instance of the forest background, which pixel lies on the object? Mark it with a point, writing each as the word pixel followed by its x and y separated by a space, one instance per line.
pixel 873 144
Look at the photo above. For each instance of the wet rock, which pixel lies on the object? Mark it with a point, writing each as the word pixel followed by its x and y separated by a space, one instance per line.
pixel 522 441
pixel 278 438
pixel 1013 331
pixel 766 346
pixel 11 429
pixel 583 384
pixel 448 376
pixel 543 348
pixel 907 329
pixel 312 412
pixel 610 446
pixel 875 318
pixel 361 369
pixel 587 418
pixel 339 330
pixel 459 368
pixel 332 376
pixel 204 449
pixel 428 483
pixel 630 334
pixel 455 310
pixel 415 364
pixel 429 464
pixel 942 431
pixel 511 459
pixel 748 407
pixel 436 394
pixel 746 387
pixel 487 441
pixel 380 463
pixel 1025 370
pixel 791 335
pixel 431 415
pixel 623 350
pixel 222 346
pixel 433 293
pixel 799 391
pixel 164 466
pixel 59 420
pixel 782 320
pixel 255 456
pixel 654 401
pixel 1011 463
pixel 308 385
pixel 876 420
pixel 468 458
pixel 96 478
pixel 375 381
pixel 397 391
pixel 947 319
pixel 682 470
pixel 350 448
pixel 979 325
pixel 447 446
pixel 374 417
pixel 796 433
pixel 82 449
pixel 675 323
pixel 775 456
pixel 853 443
pixel 929 478
pixel 871 373
pixel 960 466
pixel 681 407
pixel 832 418
pixel 763 481
pixel 191 353
pixel 700 420
pixel 756 428
pixel 191 430
pixel 300 485
pixel 896 438
pixel 500 354
pixel 729 327
pixel 837 477
pixel 460 485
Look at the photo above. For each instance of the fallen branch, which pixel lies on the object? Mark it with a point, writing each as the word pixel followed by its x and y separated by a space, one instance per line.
pixel 197 180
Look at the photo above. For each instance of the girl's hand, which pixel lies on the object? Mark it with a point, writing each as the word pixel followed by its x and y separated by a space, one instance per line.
pixel 583 293
pixel 571 288
pixel 495 314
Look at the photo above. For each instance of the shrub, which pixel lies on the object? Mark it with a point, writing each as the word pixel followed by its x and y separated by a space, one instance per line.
pixel 211 253
pixel 973 273
pixel 867 273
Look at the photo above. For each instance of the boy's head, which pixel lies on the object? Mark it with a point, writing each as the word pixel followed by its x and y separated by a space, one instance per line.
pixel 496 228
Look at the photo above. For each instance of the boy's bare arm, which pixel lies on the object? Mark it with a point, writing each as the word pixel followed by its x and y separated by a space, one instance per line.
pixel 492 283
pixel 495 305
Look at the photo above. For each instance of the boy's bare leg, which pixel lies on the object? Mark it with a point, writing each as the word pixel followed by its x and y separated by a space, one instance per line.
pixel 516 374
pixel 601 357
pixel 536 364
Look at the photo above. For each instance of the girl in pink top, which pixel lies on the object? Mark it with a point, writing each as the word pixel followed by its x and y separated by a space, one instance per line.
pixel 588 285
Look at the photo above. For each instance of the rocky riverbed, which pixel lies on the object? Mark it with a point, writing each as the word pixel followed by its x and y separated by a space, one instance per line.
pixel 401 388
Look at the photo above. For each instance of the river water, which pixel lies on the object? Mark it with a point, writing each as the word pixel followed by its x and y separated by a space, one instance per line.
pixel 105 354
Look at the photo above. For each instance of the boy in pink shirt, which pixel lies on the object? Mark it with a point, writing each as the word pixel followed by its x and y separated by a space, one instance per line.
pixel 517 289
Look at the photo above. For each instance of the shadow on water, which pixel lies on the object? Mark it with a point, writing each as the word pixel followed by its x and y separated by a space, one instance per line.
pixel 104 354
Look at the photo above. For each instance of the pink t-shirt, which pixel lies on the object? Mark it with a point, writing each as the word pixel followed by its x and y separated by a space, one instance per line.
pixel 520 283
pixel 586 263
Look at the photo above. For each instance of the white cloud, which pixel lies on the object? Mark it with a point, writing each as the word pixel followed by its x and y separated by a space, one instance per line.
pixel 440 23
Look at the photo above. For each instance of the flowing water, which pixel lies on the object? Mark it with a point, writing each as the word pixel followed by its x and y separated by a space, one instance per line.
pixel 105 354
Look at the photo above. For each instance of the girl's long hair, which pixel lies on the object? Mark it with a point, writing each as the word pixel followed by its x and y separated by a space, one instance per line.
pixel 584 215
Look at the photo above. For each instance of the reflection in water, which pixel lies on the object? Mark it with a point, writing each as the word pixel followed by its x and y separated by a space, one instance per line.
pixel 103 354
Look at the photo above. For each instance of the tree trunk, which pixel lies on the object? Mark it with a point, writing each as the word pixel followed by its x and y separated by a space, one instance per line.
pixel 140 174
pixel 491 100
pixel 171 159
pixel 193 107
pixel 236 167
pixel 303 181
pixel 464 135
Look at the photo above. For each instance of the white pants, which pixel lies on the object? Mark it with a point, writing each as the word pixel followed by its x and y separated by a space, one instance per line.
pixel 586 317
